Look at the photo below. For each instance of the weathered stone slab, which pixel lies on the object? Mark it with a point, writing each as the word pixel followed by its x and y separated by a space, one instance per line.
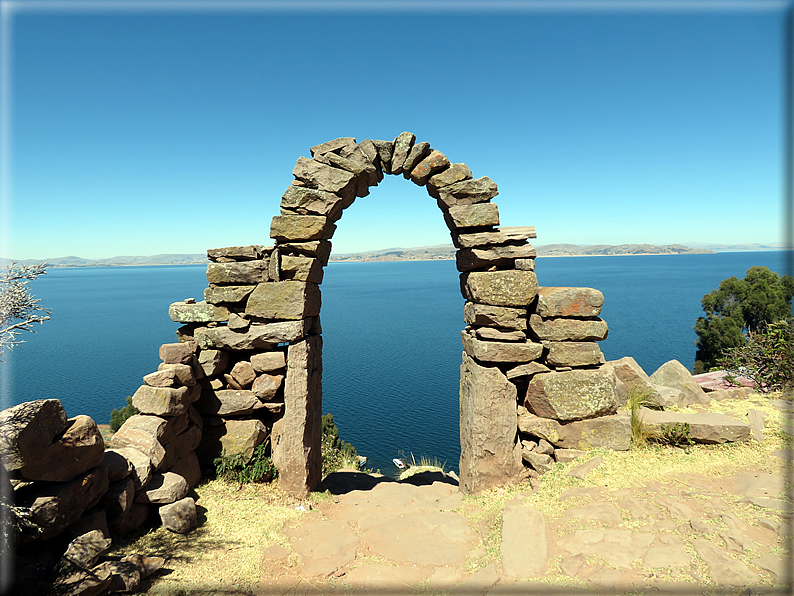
pixel 495 316
pixel 162 489
pixel 284 300
pixel 324 177
pixel 245 272
pixel 569 302
pixel 162 378
pixel 468 192
pixel 612 432
pixel 675 375
pixel 268 361
pixel 538 461
pixel 179 516
pixel 296 436
pixel 500 288
pixel 227 294
pixel 572 353
pixel 490 454
pixel 572 395
pixel 418 152
pixel 724 570
pixel 703 428
pixel 310 201
pixel 178 353
pixel 475 258
pixel 456 172
pixel 402 147
pixel 617 547
pixel 28 428
pixel 131 520
pixel 197 312
pixel 497 334
pixel 243 373
pixel 229 402
pixel 78 449
pixel 504 235
pixel 564 329
pixel 238 253
pixel 302 269
pixel 183 374
pixel 242 437
pixel 256 337
pixel 472 216
pixel 433 163
pixel 143 441
pixel 357 164
pixel 323 546
pixel 161 401
pixel 525 370
pixel 496 351
pixel 525 264
pixel 288 228
pixel 333 145
pixel 320 249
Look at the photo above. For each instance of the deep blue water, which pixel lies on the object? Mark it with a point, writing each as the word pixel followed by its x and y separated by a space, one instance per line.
pixel 391 334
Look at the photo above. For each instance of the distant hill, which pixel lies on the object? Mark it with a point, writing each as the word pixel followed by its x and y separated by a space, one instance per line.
pixel 567 250
pixel 121 261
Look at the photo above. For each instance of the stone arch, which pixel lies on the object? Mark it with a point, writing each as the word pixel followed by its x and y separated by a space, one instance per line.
pixel 264 303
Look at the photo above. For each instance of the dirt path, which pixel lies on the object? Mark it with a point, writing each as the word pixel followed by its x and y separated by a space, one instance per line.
pixel 694 535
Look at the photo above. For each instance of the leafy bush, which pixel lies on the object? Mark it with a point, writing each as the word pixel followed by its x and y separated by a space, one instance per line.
pixel 767 358
pixel 336 453
pixel 242 470
pixel 119 417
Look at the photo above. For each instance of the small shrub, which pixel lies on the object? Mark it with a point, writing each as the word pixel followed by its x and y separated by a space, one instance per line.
pixel 637 399
pixel 674 435
pixel 237 468
pixel 119 417
pixel 336 453
pixel 767 358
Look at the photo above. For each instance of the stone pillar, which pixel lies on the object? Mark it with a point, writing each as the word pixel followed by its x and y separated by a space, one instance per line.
pixel 490 452
pixel 297 436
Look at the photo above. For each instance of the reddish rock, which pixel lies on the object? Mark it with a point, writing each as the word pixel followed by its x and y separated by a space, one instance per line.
pixel 569 302
pixel 73 453
pixel 178 353
pixel 29 428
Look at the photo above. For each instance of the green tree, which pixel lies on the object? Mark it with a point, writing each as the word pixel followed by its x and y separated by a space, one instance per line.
pixel 119 417
pixel 739 307
pixel 767 358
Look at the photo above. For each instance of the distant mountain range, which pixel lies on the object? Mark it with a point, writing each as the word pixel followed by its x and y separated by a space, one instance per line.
pixel 422 253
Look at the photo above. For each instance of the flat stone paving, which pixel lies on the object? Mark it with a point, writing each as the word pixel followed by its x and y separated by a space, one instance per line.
pixel 702 535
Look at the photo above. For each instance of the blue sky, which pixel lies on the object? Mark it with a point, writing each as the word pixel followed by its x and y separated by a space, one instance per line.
pixel 133 130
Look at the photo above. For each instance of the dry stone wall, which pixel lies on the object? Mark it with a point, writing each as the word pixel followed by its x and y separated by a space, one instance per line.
pixel 530 353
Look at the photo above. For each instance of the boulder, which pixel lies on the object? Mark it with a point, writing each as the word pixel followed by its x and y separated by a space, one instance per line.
pixel 229 402
pixel 227 294
pixel 268 361
pixel 324 177
pixel 500 288
pixel 74 452
pixel 243 373
pixel 56 506
pixel 162 401
pixel 569 302
pixel 539 462
pixel 357 164
pixel 84 551
pixel 675 375
pixel 564 329
pixel 572 353
pixel 417 153
pixel 477 258
pixel 630 376
pixel 496 351
pixel 238 253
pixel 256 337
pixel 124 576
pixel 162 488
pixel 246 272
pixel 610 432
pixel 80 582
pixel 468 192
pixel 572 395
pixel 142 440
pixel 198 312
pixel 182 444
pixel 490 455
pixel 287 228
pixel 266 386
pixel 472 216
pixel 433 163
pixel 213 362
pixel 457 172
pixel 504 235
pixel 232 438
pixel 402 147
pixel 284 300
pixel 184 373
pixel 141 465
pixel 29 428
pixel 310 201
pixel 178 353
pixel 703 428
pixel 163 378
pixel 302 269
pixel 180 516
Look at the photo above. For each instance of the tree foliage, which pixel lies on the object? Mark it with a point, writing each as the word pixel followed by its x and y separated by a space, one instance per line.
pixel 336 453
pixel 739 307
pixel 767 358
pixel 19 309
pixel 119 417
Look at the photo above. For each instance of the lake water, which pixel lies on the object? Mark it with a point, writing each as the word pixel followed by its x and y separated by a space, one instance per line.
pixel 391 336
